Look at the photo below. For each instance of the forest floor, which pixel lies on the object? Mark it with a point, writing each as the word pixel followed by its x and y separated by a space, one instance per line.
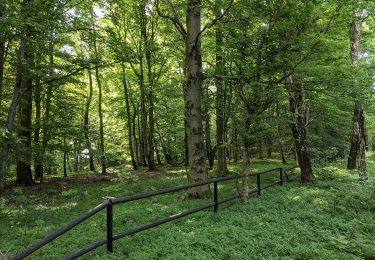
pixel 330 218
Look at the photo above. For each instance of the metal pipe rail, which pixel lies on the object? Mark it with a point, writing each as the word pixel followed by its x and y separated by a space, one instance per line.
pixel 108 205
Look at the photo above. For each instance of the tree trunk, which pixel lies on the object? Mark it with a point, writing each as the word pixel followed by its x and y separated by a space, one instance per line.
pixel 39 170
pixel 246 170
pixel 143 116
pixel 100 101
pixel 210 151
pixel 194 80
pixel 38 160
pixel 149 134
pixel 279 136
pixel 23 160
pixel 134 117
pixel 23 168
pixel 11 116
pixel 260 148
pixel 299 128
pixel 220 100
pixel 86 121
pixel 358 137
pixel 2 53
pixel 65 158
pixel 129 119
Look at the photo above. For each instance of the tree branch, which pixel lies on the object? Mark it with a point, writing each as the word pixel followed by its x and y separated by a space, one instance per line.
pixel 175 19
pixel 214 21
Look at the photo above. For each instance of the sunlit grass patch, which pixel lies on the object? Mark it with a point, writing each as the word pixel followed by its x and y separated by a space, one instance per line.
pixel 331 218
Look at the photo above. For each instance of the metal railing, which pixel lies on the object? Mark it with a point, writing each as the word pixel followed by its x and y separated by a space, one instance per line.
pixel 110 202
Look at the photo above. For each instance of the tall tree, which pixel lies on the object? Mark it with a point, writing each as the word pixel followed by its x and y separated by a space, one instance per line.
pixel 24 133
pixel 100 98
pixel 358 137
pixel 86 122
pixel 129 121
pixel 220 96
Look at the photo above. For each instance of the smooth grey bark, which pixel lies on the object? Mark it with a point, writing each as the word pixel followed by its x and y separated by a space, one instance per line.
pixel 197 163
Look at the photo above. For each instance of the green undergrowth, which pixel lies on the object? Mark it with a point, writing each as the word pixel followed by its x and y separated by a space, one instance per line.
pixel 331 218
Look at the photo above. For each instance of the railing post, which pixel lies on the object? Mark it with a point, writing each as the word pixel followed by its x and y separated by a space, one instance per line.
pixel 110 226
pixel 281 176
pixel 216 201
pixel 258 183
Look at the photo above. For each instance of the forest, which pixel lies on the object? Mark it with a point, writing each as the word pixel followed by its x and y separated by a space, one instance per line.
pixel 108 98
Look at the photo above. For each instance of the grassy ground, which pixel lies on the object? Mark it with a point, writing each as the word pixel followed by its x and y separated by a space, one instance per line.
pixel 331 218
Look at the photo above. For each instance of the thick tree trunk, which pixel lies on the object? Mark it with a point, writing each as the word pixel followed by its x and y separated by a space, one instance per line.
pixel 86 121
pixel 358 137
pixel 355 138
pixel 23 167
pixel 129 119
pixel 220 98
pixel 299 128
pixel 23 160
pixel 194 80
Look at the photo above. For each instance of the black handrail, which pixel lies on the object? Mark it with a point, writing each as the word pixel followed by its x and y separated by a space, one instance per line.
pixel 108 204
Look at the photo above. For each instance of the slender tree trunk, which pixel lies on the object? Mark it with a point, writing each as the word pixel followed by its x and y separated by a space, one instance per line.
pixel 136 145
pixel 143 116
pixel 2 53
pixel 358 138
pixel 210 151
pixel 86 121
pixel 269 150
pixel 299 128
pixel 39 170
pixel 38 160
pixel 197 166
pixel 279 136
pixel 147 40
pixel 65 158
pixel 100 109
pixel 11 116
pixel 220 98
pixel 246 170
pixel 129 119
pixel 260 148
